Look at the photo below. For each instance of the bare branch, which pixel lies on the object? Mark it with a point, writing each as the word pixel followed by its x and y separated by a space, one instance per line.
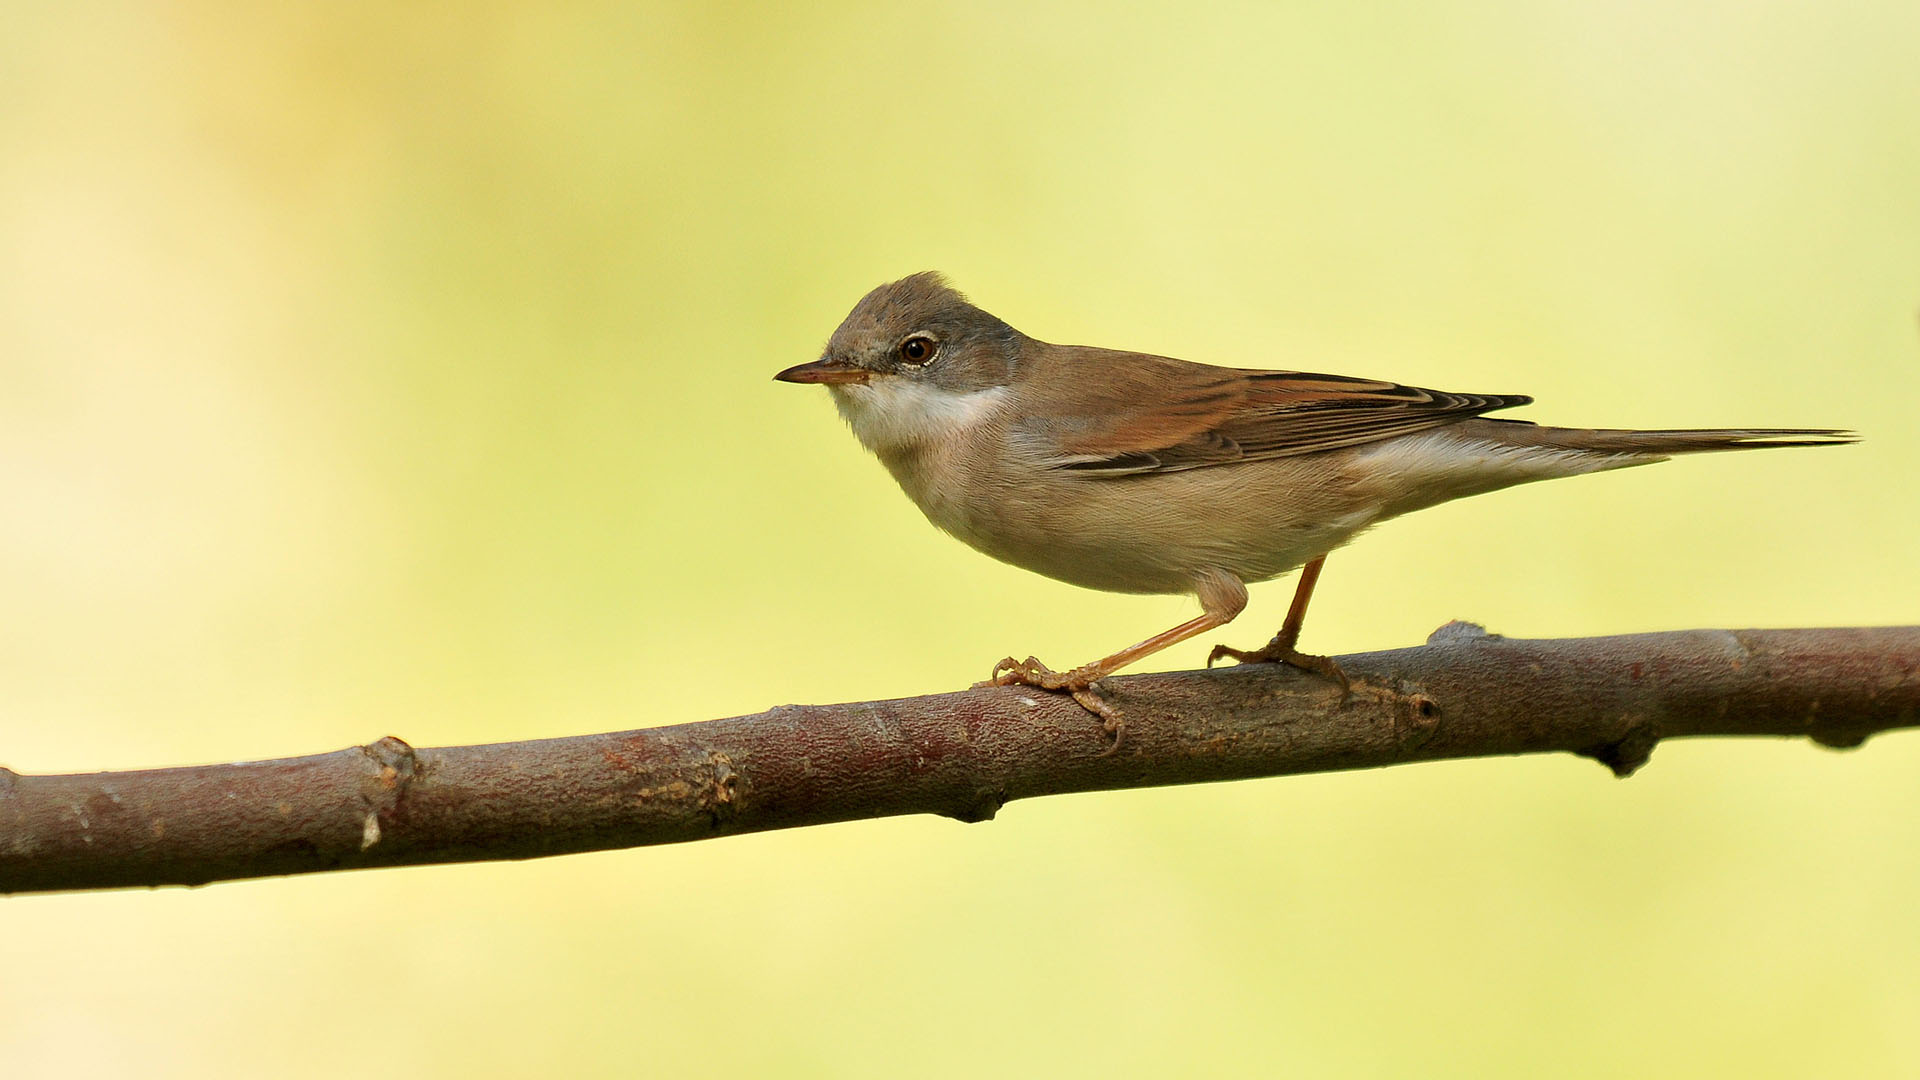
pixel 1463 694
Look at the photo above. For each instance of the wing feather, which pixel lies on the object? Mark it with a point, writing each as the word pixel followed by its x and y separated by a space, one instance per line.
pixel 1156 414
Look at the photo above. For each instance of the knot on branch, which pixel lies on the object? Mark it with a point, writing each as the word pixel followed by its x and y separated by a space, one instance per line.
pixel 985 803
pixel 1460 630
pixel 1421 714
pixel 720 800
pixel 395 765
pixel 1626 754
pixel 1840 740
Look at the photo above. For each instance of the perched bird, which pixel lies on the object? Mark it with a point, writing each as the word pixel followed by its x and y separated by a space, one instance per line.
pixel 1144 474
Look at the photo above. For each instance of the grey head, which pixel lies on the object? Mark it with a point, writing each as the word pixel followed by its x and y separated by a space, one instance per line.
pixel 918 329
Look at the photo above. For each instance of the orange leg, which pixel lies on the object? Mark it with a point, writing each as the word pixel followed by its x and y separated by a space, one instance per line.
pixel 1281 648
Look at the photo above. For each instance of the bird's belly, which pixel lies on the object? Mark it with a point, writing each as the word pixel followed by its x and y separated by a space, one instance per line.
pixel 1154 533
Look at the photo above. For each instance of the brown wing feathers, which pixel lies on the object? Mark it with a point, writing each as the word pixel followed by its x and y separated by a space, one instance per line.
pixel 1214 416
pixel 1299 414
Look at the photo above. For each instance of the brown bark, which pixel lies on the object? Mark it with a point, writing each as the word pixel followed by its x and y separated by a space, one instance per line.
pixel 1463 694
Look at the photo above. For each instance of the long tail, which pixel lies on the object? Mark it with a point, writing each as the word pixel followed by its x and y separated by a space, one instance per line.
pixel 1486 454
pixel 1658 444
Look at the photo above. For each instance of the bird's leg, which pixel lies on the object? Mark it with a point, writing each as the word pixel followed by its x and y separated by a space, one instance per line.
pixel 1281 649
pixel 1222 596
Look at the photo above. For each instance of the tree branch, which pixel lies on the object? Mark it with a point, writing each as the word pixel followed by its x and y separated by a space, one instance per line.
pixel 1463 694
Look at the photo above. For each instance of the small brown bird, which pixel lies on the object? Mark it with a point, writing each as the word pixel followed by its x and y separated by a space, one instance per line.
pixel 1143 474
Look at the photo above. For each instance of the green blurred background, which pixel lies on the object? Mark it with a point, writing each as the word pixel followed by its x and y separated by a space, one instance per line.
pixel 372 368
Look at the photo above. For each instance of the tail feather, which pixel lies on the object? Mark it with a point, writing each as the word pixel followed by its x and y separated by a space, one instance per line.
pixel 1664 442
pixel 1487 454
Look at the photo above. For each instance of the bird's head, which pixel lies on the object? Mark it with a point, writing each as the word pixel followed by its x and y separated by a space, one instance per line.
pixel 914 360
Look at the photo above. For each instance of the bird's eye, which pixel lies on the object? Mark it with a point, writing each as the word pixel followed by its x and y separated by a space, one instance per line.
pixel 917 349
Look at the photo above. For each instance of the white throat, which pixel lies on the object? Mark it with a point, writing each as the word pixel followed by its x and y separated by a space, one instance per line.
pixel 892 413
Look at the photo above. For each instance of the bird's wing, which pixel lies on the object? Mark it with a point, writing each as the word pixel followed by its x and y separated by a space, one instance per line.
pixel 1156 414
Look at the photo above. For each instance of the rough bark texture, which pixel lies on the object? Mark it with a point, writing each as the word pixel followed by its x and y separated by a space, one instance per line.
pixel 1463 694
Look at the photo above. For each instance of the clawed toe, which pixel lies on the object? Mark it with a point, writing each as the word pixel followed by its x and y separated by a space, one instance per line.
pixel 1110 721
pixel 1031 672
pixel 1240 656
pixel 1278 652
pixel 1326 667
pixel 1078 683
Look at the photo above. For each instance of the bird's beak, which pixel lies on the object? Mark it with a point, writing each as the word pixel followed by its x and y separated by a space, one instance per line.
pixel 824 371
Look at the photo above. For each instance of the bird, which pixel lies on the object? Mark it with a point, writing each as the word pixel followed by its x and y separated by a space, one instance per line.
pixel 1134 473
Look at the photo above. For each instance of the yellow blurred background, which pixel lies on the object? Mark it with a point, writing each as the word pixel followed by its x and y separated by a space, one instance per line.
pixel 377 369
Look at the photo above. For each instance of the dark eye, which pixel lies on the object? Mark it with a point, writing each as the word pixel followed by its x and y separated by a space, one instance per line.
pixel 917 349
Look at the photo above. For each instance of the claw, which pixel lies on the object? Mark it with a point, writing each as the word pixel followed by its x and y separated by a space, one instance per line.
pixel 1110 721
pixel 1277 652
pixel 1078 683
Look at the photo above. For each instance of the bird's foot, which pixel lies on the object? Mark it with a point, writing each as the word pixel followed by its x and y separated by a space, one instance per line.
pixel 1279 651
pixel 1078 682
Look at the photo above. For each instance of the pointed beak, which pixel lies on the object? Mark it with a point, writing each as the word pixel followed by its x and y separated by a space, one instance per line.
pixel 824 371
